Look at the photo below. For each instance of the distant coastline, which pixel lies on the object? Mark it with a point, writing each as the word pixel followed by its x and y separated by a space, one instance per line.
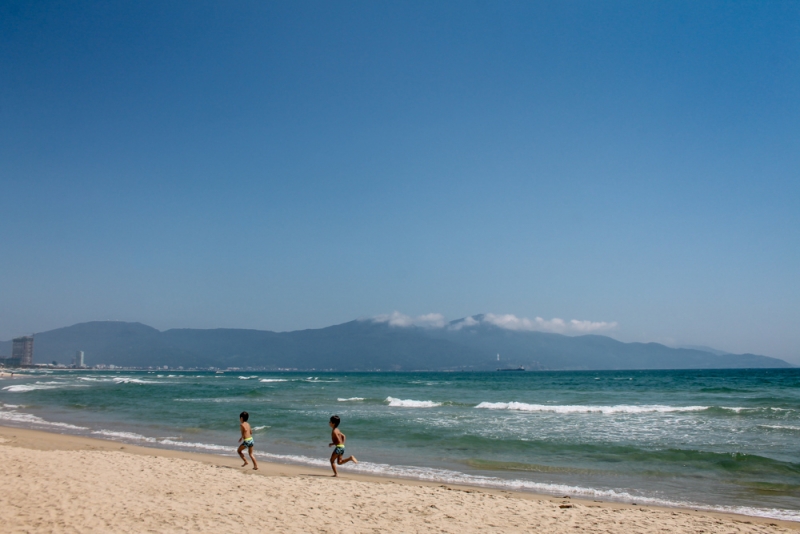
pixel 367 345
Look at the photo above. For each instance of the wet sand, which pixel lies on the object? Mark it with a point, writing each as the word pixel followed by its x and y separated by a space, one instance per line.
pixel 62 483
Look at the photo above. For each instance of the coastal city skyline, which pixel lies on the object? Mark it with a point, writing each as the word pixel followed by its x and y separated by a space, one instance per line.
pixel 280 167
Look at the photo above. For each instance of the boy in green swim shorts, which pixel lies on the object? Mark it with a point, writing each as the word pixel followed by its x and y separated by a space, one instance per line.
pixel 337 440
pixel 246 439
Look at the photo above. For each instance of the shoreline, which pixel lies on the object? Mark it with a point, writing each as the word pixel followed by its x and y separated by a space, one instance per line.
pixel 38 440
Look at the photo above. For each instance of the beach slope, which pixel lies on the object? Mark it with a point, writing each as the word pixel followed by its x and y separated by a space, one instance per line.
pixel 55 483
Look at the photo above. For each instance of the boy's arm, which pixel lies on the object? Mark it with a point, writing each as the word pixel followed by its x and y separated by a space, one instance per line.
pixel 241 429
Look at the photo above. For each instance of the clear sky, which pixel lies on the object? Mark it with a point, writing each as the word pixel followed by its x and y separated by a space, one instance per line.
pixel 290 165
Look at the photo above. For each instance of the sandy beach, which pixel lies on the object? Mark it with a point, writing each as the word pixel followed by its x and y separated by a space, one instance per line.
pixel 62 483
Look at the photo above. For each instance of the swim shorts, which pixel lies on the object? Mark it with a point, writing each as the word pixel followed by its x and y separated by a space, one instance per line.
pixel 248 442
pixel 339 450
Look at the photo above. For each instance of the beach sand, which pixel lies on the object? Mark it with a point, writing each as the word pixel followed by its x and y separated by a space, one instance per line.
pixel 61 483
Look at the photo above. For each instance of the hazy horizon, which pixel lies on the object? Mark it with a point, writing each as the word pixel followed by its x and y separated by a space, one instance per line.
pixel 290 166
pixel 435 321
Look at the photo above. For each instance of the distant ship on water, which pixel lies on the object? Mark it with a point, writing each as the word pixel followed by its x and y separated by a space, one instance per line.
pixel 520 368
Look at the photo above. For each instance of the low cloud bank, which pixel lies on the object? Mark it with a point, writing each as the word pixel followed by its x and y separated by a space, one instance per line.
pixel 433 320
pixel 505 321
pixel 556 325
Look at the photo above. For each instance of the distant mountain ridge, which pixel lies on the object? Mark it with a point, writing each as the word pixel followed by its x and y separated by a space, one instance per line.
pixel 704 349
pixel 466 344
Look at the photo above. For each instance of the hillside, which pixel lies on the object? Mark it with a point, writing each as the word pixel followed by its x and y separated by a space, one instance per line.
pixel 369 345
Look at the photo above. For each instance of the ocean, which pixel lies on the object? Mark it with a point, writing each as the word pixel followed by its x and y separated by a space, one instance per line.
pixel 726 440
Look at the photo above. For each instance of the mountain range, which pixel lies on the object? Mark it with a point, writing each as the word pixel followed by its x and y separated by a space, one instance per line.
pixel 465 344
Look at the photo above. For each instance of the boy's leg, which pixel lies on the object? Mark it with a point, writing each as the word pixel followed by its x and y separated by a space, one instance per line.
pixel 239 450
pixel 348 459
pixel 250 452
pixel 334 456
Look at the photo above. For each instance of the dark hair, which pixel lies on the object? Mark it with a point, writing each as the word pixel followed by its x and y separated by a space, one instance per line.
pixel 335 420
pixel 244 416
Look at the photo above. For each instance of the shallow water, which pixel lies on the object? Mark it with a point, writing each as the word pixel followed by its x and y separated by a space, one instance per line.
pixel 707 439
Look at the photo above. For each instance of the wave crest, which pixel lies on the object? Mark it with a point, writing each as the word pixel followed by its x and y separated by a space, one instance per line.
pixel 408 403
pixel 30 419
pixel 125 380
pixel 22 388
pixel 123 435
pixel 577 408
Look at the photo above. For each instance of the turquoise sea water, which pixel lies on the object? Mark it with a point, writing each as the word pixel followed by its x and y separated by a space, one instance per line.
pixel 727 440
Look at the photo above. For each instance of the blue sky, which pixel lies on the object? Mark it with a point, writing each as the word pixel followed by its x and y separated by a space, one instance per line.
pixel 295 165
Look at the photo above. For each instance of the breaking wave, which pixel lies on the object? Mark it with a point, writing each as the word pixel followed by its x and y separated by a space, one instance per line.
pixel 123 435
pixel 22 388
pixel 575 408
pixel 124 380
pixel 408 403
pixel 30 419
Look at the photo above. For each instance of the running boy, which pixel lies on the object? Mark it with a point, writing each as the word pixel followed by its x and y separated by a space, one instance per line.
pixel 337 440
pixel 246 439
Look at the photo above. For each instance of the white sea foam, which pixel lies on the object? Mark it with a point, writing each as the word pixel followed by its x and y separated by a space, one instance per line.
pixel 273 380
pixel 317 379
pixel 760 409
pixel 22 388
pixel 123 435
pixel 125 380
pixel 351 399
pixel 408 403
pixel 257 428
pixel 30 419
pixel 574 408
pixel 203 446
pixel 455 477
pixel 101 379
pixel 219 399
pixel 247 377
pixel 781 427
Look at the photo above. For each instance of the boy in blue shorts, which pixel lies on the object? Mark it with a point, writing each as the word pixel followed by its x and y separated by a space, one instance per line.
pixel 246 439
pixel 337 440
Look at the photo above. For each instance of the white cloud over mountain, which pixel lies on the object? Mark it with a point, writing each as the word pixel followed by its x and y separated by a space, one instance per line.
pixel 433 320
pixel 555 325
pixel 506 321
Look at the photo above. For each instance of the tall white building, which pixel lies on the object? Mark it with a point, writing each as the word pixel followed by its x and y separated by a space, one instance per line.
pixel 78 360
pixel 22 349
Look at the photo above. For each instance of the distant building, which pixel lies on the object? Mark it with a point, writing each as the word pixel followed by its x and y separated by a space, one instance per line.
pixel 78 360
pixel 23 349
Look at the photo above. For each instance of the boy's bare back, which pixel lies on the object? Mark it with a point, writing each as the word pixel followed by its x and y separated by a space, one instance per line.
pixel 337 437
pixel 246 431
